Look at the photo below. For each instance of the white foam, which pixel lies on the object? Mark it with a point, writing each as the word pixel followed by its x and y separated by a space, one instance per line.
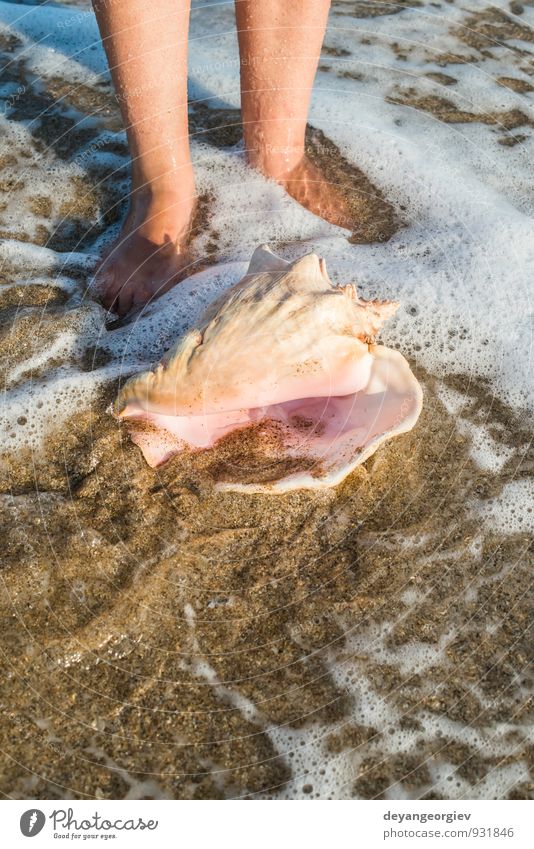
pixel 513 510
pixel 489 454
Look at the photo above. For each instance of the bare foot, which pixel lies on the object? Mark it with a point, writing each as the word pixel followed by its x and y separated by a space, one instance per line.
pixel 150 253
pixel 307 184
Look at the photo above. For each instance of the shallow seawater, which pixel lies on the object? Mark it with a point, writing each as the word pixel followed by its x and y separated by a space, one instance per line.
pixel 161 639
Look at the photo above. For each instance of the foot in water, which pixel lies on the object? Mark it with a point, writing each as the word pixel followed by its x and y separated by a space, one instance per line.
pixel 307 184
pixel 150 254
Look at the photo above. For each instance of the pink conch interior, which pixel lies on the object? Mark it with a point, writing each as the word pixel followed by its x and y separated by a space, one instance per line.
pixel 339 432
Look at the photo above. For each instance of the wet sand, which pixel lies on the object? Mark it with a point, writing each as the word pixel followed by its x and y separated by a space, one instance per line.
pixel 175 625
pixel 163 639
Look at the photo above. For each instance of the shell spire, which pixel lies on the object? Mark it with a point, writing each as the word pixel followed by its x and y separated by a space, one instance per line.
pixel 372 314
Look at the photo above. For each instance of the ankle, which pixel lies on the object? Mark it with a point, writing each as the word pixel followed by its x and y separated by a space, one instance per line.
pixel 277 163
pixel 275 158
pixel 162 213
pixel 159 197
pixel 161 179
pixel 154 191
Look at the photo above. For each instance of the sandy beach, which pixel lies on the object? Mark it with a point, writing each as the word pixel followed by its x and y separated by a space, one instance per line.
pixel 162 639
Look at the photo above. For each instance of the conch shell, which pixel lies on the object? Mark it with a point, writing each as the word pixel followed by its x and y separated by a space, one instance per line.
pixel 287 347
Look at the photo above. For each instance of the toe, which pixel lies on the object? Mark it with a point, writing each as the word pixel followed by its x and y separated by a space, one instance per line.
pixel 141 296
pixel 99 281
pixel 109 292
pixel 124 300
